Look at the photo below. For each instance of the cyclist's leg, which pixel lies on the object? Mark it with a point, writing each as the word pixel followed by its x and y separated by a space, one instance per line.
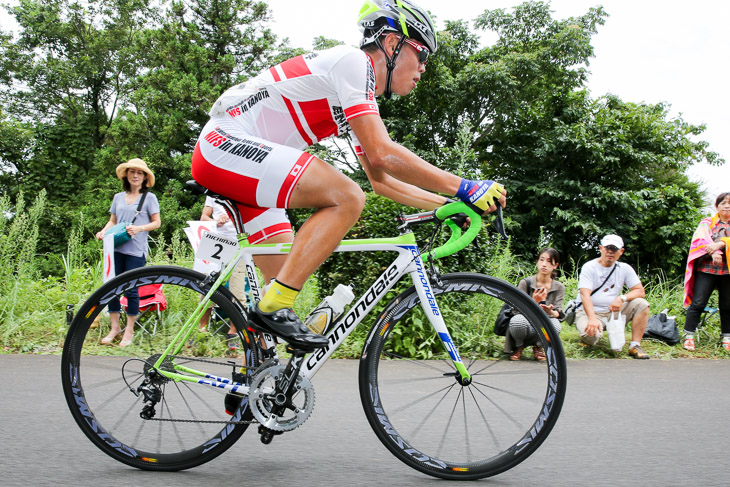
pixel 339 201
pixel 262 174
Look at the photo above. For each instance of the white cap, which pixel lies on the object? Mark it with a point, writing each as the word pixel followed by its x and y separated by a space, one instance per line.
pixel 612 239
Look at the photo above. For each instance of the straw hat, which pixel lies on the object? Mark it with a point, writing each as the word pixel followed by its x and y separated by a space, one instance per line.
pixel 137 164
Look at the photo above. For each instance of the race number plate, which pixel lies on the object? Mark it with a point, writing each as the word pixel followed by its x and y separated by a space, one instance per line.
pixel 216 248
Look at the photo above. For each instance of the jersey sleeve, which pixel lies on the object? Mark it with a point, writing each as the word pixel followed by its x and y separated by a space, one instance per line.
pixel 356 144
pixel 113 209
pixel 354 81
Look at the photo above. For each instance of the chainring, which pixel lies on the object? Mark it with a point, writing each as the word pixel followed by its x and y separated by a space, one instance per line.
pixel 262 400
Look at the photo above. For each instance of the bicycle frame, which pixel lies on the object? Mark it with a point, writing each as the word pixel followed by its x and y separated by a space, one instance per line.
pixel 408 261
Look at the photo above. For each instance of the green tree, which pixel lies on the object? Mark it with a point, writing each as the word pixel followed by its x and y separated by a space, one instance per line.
pixel 66 75
pixel 91 84
pixel 575 167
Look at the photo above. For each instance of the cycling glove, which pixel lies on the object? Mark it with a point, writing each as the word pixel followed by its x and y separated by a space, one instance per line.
pixel 481 194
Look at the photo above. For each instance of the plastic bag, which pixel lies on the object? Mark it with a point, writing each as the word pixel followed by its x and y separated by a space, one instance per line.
pixel 615 329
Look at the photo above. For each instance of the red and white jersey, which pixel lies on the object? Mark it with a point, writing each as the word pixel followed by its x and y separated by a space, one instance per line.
pixel 304 99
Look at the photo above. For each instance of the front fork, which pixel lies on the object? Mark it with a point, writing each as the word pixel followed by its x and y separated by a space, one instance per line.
pixel 422 282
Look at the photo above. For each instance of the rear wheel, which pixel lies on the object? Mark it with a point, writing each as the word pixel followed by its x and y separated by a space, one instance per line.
pixel 416 403
pixel 105 386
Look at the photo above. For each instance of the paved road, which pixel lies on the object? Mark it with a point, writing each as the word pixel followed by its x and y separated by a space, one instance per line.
pixel 653 423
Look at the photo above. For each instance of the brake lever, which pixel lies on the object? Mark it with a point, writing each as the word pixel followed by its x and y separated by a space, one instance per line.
pixel 459 219
pixel 499 224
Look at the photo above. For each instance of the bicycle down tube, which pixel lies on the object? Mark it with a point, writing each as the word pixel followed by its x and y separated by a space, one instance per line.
pixel 408 262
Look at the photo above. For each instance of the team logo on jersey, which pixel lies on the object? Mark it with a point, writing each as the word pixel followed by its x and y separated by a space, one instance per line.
pixel 338 115
pixel 248 103
pixel 216 137
pixel 370 82
pixel 248 149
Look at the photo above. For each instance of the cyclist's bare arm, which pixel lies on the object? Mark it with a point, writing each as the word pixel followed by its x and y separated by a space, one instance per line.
pixel 406 194
pixel 384 156
pixel 392 158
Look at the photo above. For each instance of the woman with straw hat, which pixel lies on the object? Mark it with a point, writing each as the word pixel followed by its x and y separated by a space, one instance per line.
pixel 137 179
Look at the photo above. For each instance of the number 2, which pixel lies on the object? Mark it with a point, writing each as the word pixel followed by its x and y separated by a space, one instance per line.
pixel 217 254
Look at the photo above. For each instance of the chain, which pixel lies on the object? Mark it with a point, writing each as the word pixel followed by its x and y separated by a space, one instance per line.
pixel 229 363
pixel 204 421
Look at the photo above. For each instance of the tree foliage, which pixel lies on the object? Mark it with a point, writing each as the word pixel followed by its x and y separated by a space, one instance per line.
pixel 89 84
pixel 575 167
pixel 94 83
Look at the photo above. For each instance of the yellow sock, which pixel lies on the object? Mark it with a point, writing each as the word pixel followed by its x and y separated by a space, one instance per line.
pixel 277 297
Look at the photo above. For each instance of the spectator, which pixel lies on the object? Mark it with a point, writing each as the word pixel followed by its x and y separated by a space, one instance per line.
pixel 600 284
pixel 548 292
pixel 707 270
pixel 137 179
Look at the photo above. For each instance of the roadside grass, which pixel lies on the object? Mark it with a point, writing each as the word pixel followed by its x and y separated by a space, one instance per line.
pixel 33 305
pixel 34 321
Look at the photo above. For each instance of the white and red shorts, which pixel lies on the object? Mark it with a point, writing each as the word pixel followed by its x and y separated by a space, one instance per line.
pixel 258 174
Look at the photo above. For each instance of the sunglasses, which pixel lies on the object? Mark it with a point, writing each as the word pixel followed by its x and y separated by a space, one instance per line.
pixel 612 248
pixel 423 51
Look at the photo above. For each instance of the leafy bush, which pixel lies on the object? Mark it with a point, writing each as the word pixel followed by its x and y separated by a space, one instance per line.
pixel 33 304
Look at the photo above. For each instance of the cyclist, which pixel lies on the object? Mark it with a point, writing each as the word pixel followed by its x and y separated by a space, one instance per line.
pixel 251 150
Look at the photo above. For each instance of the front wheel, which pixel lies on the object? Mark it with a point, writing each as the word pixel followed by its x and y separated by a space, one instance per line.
pixel 420 409
pixel 107 386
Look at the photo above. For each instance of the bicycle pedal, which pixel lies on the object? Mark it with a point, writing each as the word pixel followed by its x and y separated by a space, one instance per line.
pixel 267 435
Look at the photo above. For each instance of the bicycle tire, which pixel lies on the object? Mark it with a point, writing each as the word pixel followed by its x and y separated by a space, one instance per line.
pixel 418 408
pixel 190 426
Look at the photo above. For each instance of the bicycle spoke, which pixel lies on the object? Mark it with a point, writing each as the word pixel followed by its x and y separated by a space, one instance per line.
pixel 513 394
pixel 421 363
pixel 486 422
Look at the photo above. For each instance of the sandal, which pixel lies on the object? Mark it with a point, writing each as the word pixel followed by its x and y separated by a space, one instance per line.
pixel 109 339
pixel 517 355
pixel 231 341
pixel 538 353
pixel 126 342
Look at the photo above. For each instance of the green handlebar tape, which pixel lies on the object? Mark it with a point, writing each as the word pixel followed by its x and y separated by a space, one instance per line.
pixel 457 241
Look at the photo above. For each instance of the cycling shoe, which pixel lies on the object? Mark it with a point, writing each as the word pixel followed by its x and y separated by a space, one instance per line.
pixel 286 324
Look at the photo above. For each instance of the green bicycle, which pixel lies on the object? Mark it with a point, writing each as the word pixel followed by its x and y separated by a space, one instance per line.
pixel 448 411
